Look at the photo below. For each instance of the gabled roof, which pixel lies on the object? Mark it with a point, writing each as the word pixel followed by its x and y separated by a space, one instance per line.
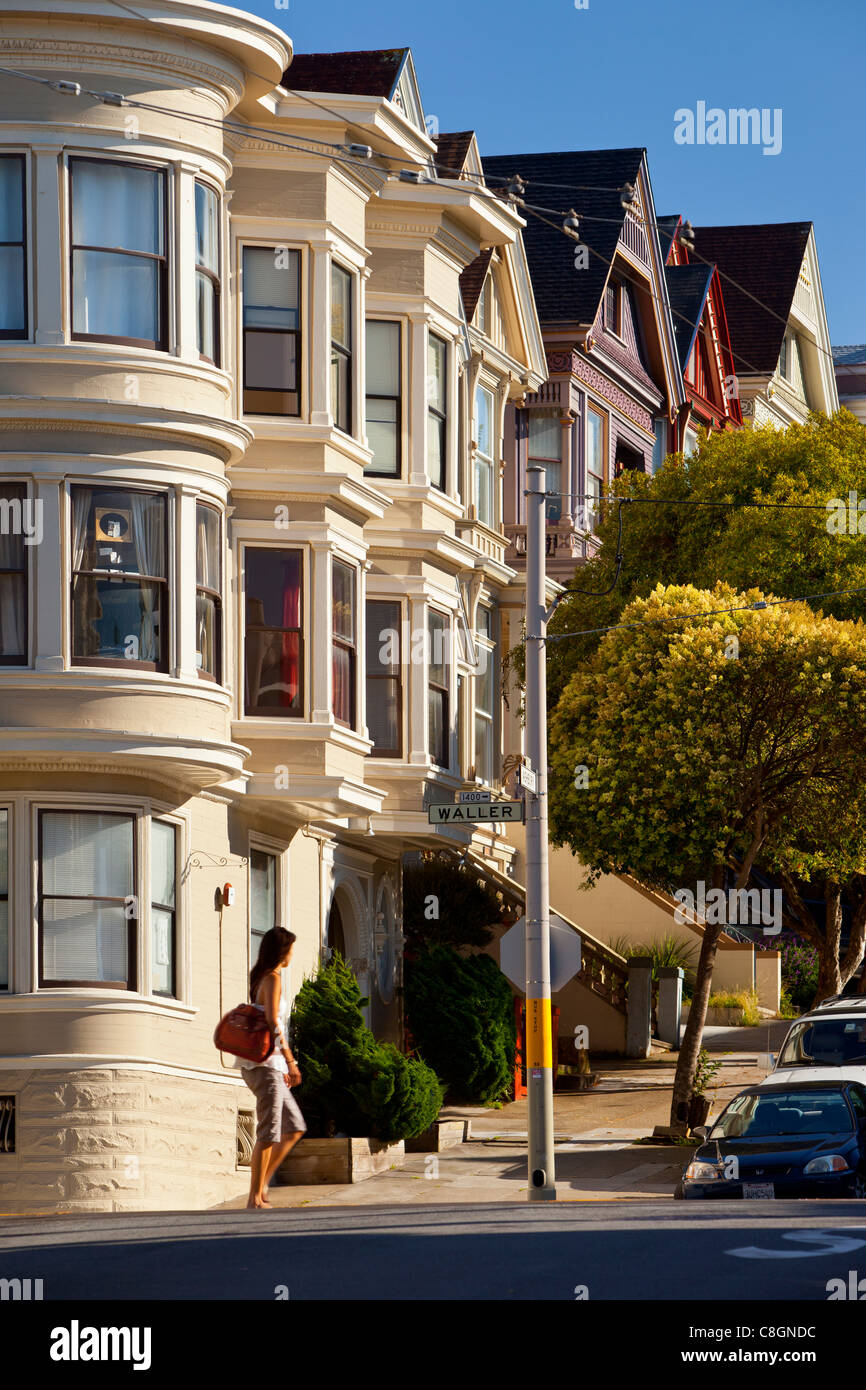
pixel 667 227
pixel 589 181
pixel 765 260
pixel 451 152
pixel 472 282
pixel 850 355
pixel 688 287
pixel 370 72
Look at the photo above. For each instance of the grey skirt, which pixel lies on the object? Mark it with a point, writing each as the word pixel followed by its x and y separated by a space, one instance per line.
pixel 278 1114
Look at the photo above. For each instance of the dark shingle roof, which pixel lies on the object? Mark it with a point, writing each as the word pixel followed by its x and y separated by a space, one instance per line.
pixel 849 355
pixel 688 286
pixel 563 293
pixel 765 260
pixel 451 152
pixel 667 225
pixel 371 72
pixel 472 282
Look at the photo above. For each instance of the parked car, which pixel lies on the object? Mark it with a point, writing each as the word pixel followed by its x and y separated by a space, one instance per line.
pixel 830 1041
pixel 802 1140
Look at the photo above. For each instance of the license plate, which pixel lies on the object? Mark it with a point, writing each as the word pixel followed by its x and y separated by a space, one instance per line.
pixel 758 1189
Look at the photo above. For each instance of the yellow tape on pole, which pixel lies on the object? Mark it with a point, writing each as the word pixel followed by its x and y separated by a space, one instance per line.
pixel 539 1041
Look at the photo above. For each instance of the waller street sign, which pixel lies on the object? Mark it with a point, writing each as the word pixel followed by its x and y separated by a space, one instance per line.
pixel 447 814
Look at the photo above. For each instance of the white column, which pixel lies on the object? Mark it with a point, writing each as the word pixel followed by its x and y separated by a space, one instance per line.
pixel 417 406
pixel 49 593
pixel 319 638
pixel 319 351
pixel 185 337
pixel 50 253
pixel 183 663
pixel 417 681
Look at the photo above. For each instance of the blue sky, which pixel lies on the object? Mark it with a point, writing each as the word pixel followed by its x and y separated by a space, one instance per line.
pixel 546 76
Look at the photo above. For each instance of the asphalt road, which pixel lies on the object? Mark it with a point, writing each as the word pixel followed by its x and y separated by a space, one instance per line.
pixel 647 1251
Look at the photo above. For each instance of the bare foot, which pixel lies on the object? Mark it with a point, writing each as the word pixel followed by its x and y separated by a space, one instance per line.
pixel 256 1206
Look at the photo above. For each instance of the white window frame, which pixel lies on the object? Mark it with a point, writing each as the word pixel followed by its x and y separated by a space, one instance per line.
pixel 29 257
pixel 250 541
pixel 241 244
pixel 489 461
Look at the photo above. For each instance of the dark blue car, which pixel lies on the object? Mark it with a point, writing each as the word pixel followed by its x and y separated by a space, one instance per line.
pixel 806 1139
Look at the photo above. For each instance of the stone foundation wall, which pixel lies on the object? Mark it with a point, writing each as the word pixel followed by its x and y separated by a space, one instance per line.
pixel 121 1139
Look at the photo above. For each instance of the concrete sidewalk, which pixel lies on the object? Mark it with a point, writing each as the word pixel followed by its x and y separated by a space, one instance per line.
pixel 596 1156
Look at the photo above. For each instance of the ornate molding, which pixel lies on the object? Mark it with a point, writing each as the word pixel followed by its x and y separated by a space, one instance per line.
pixel 616 397
pixel 126 55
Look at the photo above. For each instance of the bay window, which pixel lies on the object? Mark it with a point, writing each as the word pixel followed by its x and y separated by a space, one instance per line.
pixel 485 472
pixel 384 397
pixel 119 578
pixel 384 681
pixel 13 575
pixel 272 337
pixel 595 469
pixel 86 899
pixel 343 642
pixel 438 713
pixel 4 899
pixel 545 451
pixel 208 593
pixel 273 654
pixel 163 917
pixel 263 898
pixel 207 273
pixel 437 419
pixel 118 243
pixel 341 348
pixel 485 695
pixel 13 247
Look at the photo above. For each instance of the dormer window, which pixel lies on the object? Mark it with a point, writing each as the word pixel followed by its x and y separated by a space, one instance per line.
pixel 613 308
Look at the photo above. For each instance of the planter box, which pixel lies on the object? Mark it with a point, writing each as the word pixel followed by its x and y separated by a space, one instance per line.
pixel 338 1160
pixel 442 1134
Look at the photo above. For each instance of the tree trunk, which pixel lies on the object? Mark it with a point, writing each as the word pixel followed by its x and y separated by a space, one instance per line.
pixel 691 1044
pixel 829 979
pixel 857 939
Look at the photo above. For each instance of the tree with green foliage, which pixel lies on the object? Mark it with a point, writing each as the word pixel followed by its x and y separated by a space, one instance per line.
pixel 705 755
pixel 353 1084
pixel 460 1011
pixel 447 905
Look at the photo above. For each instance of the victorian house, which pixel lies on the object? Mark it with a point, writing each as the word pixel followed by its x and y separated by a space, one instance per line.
pixel 255 627
pixel 774 303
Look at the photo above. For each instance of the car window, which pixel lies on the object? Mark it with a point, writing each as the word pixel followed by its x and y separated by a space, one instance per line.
pixel 857 1098
pixel 772 1115
pixel 830 1042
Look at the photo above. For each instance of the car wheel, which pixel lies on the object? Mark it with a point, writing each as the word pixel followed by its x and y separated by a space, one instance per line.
pixel 679 1194
pixel 858 1187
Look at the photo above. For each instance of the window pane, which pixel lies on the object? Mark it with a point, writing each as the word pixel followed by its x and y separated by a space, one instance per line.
pixel 271 287
pixel 436 358
pixel 383 638
pixel 116 620
pixel 484 490
pixel 273 588
pixel 341 306
pixel 545 437
pixel 13 630
pixel 437 702
pixel 340 390
pixel 553 483
pixel 594 443
pixel 206 228
pixel 383 358
pixel 484 421
pixel 4 945
pixel 436 450
pixel 438 654
pixel 4 905
pixel 483 748
pixel 11 199
pixel 263 893
pixel 4 853
pixel 84 941
pixel 87 853
pixel 162 863
pixel 12 318
pixel 383 715
pixel 343 597
pixel 118 205
pixel 484 683
pixel 343 678
pixel 207 536
pixel 383 436
pixel 122 532
pixel 273 672
pixel 162 951
pixel 116 296
pixel 205 310
pixel 270 361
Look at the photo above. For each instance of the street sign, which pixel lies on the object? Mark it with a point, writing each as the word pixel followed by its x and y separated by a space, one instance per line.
pixel 476 797
pixel 528 777
pixel 445 813
pixel 564 953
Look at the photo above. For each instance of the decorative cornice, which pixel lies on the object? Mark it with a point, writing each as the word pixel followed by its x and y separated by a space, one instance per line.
pixel 122 54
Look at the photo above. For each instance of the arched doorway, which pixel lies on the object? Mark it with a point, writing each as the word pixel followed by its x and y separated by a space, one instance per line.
pixel 336 933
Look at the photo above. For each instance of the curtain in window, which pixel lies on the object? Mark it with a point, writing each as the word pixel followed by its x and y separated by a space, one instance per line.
pixel 13 637
pixel 86 856
pixel 149 536
pixel 87 609
pixel 341 667
pixel 4 905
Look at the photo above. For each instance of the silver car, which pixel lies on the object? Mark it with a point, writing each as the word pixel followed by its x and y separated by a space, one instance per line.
pixel 828 1043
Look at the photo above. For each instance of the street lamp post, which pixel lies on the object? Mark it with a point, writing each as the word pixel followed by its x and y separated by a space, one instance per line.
pixel 539 1058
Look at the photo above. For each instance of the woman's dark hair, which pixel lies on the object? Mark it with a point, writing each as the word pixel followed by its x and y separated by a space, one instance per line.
pixel 272 948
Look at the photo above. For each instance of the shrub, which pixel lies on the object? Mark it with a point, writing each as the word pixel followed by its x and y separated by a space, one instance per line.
pixel 666 952
pixel 461 1013
pixel 800 972
pixel 446 905
pixel 353 1084
pixel 745 999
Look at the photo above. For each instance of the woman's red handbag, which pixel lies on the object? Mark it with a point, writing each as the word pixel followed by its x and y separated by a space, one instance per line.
pixel 246 1033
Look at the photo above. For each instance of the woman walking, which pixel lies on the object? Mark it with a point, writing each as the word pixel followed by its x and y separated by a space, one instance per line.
pixel 280 1123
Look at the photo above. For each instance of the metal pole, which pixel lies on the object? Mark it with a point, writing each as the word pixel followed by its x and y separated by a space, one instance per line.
pixel 539 1043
